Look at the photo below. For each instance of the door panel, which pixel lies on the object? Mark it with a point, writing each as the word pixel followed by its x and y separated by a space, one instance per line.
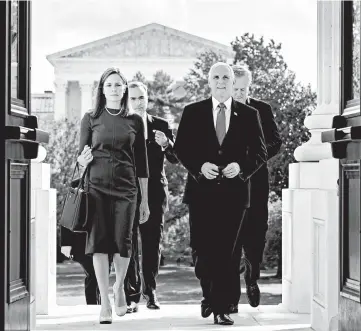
pixel 21 141
pixel 346 146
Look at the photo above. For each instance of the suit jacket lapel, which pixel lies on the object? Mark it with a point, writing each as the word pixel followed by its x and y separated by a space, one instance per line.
pixel 150 128
pixel 209 121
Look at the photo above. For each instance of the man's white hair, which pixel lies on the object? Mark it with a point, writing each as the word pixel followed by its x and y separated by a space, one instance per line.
pixel 241 71
pixel 217 64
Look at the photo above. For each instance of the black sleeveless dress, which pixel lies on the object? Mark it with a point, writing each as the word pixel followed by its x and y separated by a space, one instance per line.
pixel 119 158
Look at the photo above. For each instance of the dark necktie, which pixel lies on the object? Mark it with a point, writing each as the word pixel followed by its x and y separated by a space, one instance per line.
pixel 221 122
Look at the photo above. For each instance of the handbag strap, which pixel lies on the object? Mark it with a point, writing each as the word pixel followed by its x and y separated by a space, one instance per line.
pixel 82 179
pixel 75 168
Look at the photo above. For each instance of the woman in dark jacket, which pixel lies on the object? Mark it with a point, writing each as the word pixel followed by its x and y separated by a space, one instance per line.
pixel 112 143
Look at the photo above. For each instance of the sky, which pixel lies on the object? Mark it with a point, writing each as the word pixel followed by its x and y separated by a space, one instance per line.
pixel 61 24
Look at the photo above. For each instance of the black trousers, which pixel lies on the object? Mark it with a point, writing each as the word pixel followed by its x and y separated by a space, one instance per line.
pixel 92 294
pixel 253 241
pixel 151 233
pixel 215 225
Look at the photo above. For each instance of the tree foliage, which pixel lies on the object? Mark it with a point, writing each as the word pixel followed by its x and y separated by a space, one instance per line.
pixel 272 256
pixel 196 81
pixel 139 77
pixel 62 152
pixel 291 101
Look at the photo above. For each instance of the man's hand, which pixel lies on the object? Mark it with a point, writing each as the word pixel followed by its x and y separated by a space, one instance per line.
pixel 160 138
pixel 66 251
pixel 232 170
pixel 209 170
pixel 143 211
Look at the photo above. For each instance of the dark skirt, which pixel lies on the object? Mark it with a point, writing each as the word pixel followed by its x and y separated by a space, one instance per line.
pixel 111 223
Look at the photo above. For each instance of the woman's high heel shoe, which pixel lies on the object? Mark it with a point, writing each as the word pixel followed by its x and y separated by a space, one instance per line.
pixel 119 310
pixel 106 316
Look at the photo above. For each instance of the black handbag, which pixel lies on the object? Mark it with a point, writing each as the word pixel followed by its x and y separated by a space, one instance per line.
pixel 76 205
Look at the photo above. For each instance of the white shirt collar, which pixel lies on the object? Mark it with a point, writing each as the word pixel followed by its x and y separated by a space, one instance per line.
pixel 227 103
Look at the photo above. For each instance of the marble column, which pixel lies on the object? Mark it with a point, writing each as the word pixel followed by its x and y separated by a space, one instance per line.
pixel 60 104
pixel 43 203
pixel 310 204
pixel 86 88
pixel 328 83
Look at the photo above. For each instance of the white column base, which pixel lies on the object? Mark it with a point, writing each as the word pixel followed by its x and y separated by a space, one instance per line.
pixel 303 175
pixel 45 204
pixel 32 270
pixel 296 250
pixel 325 248
pixel 310 239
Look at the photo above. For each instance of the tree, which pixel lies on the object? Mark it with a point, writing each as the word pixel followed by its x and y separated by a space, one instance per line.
pixel 159 84
pixel 139 77
pixel 62 152
pixel 272 256
pixel 291 101
pixel 196 81
pixel 258 55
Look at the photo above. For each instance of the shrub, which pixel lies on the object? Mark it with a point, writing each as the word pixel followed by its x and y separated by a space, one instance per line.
pixel 62 152
pixel 176 239
pixel 272 256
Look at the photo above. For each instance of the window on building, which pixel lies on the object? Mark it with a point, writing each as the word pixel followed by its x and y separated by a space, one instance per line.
pixel 356 50
pixel 14 48
pixel 19 41
pixel 351 56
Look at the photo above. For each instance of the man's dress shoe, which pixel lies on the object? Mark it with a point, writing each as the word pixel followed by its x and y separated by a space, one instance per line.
pixel 206 310
pixel 223 319
pixel 132 308
pixel 152 301
pixel 253 294
pixel 233 309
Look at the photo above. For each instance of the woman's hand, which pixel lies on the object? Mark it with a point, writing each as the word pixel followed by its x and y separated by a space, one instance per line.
pixel 85 157
pixel 143 211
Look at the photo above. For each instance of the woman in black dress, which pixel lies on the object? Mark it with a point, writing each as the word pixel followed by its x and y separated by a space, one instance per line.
pixel 112 143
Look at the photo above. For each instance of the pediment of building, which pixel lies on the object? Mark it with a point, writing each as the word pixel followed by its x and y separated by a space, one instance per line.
pixel 152 40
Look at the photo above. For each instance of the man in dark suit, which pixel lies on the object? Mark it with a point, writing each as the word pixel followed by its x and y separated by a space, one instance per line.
pixel 221 144
pixel 160 140
pixel 255 223
pixel 73 247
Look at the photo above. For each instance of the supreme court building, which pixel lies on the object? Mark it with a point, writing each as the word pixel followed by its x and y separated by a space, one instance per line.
pixel 146 49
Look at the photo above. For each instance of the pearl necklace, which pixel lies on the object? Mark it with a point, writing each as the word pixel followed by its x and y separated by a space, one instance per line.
pixel 112 113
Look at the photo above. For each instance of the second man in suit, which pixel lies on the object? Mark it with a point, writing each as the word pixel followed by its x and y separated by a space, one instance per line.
pixel 255 224
pixel 159 142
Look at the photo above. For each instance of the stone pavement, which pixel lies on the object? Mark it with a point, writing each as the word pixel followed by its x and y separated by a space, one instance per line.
pixel 173 317
pixel 176 284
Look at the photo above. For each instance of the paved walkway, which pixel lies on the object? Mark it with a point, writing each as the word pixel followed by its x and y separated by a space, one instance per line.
pixel 173 317
pixel 175 285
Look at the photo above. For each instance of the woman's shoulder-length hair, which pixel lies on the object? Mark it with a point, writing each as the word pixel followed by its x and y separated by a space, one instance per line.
pixel 99 99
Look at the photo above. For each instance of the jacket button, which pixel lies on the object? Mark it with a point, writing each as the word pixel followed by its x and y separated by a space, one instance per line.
pixel 220 152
